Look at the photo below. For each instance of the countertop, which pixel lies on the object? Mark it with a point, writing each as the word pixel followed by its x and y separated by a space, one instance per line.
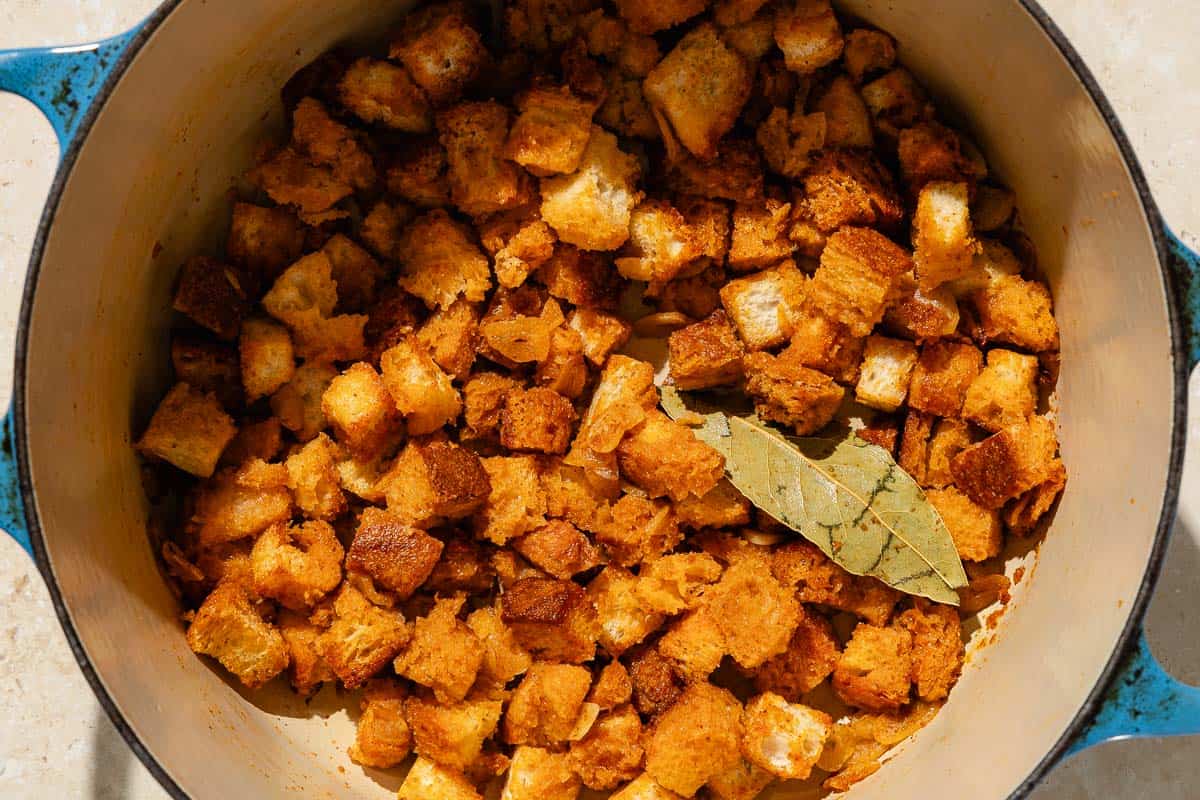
pixel 56 742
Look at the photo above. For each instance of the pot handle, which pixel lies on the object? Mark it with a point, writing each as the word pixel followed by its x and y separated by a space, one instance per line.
pixel 1143 700
pixel 1185 266
pixel 61 82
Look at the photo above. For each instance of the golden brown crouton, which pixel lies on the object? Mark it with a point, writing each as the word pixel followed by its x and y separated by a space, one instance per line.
pixel 289 179
pixel 650 18
pixel 189 430
pixel 519 327
pixel 481 180
pixel 859 273
pixel 744 781
pixel 591 207
pixel 808 34
pixel 874 671
pixel 868 51
pixel 546 705
pixel 950 437
pixel 624 622
pixel 539 774
pixel 896 101
pixel 213 295
pixel 397 557
pixel 426 780
pixel 666 459
pixel 264 240
pixel 1007 463
pixel 601 333
pixel 210 367
pixel 1014 310
pixel 382 738
pixel 847 122
pixel 886 368
pixel 937 647
pixel 540 26
pixel 1004 393
pixel 376 91
pixel 676 582
pixel 434 480
pixel 914 446
pixel 625 110
pixel 822 344
pixel 266 357
pixel 443 654
pixel 559 549
pixel 354 271
pixel 661 243
pixel 313 479
pixel 756 614
pixel 645 788
pixel 307 669
pixel 620 403
pixel 298 402
pixel 229 627
pixel 582 278
pixel 694 644
pixel 451 734
pixel 440 262
pixel 790 394
pixel 975 530
pixel 551 618
pixel 943 374
pixel 849 188
pixel 1022 515
pixel 538 419
pixel 763 305
pixel 819 580
pixel 563 370
pixel 573 496
pixel 304 298
pixel 516 504
pixel 519 243
pixel 484 394
pixel 613 687
pixel 503 658
pixel 241 502
pixel 723 506
pixel 451 335
pixel 809 659
pixel 929 151
pixel 656 684
pixel 943 240
pixel 464 567
pixel 360 410
pixel 611 753
pixel 381 229
pixel 418 174
pixel 699 89
pixel 362 637
pixel 421 391
pixel 440 49
pixel 754 39
pixel 696 738
pixel 759 236
pixel 788 141
pixel 331 144
pixel 639 530
pixel 735 174
pixel 551 130
pixel 922 314
pixel 783 738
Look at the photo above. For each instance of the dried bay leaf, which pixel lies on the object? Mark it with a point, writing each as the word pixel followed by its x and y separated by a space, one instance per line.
pixel 846 496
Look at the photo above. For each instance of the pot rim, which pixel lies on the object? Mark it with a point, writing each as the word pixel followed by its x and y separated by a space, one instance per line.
pixel 1125 643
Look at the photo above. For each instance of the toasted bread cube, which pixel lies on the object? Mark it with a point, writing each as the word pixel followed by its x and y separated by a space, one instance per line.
pixel 763 305
pixel 975 530
pixel 297 565
pixel 464 567
pixel 611 752
pixel 735 174
pixel 783 738
pixel 699 88
pixel 937 647
pixel 551 130
pixel 571 495
pixel 1014 310
pixel 886 369
pixel 790 394
pixel 582 278
pixel 759 235
pixel 435 480
pixel 656 684
pixel 754 39
pixel 1004 393
pixel 503 658
pixel 613 687
pixel 744 781
pixel 440 262
pixel 950 437
pixel 624 621
pixel 705 354
pixel 923 314
pixel 601 333
pixel 426 780
pixel 1023 514
pixel 538 774
pixel 305 290
pixel 266 357
pixel 868 50
pixel 559 549
pixel 788 142
pixel 208 366
pixel 808 34
pixel 379 92
pixel 298 402
pixel 696 738
pixel 229 627
pixel 666 459
pixel 882 430
pixel 361 411
pixel 847 121
pixel 661 243
pixel 625 110
pixel 519 242
pixel 675 583
pixel 290 179
pixel 645 788
pixel 650 18
pixel 945 245
pixel 314 480
pixel 382 738
pixel 443 654
pixel 874 671
pixel 397 557
pixel 538 419
pixel 591 208
pixel 484 395
pixel 896 101
pixel 914 446
pixel 858 276
pixel 620 403
pixel 255 440
pixel 382 227
pixel 723 506
pixel 450 335
pixel 942 376
pixel 213 295
pixel 451 734
pixel 516 503
pixel 515 332
pixel 1007 463
pixel 929 151
pixel 809 659
pixel 418 174
pixel 355 272
pixel 694 644
pixel 546 705
pixel 551 618
pixel 819 580
pixel 756 614
pixel 241 502
pixel 329 143
pixel 849 188
pixel 189 430
pixel 307 669
pixel 639 530
pixel 264 240
pixel 419 388
pixel 481 180
pixel 563 370
pixel 827 346
pixel 440 50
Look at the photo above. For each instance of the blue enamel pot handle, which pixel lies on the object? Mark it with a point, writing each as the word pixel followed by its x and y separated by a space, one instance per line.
pixel 1143 699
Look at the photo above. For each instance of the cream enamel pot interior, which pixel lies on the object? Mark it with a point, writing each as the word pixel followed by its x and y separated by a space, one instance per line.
pixel 145 182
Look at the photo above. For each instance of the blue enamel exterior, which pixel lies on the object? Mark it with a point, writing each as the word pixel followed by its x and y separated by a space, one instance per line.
pixel 1185 263
pixel 12 514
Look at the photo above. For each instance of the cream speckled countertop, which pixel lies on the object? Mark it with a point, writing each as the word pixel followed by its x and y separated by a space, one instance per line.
pixel 56 742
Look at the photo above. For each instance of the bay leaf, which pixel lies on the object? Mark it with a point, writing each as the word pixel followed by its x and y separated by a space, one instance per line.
pixel 845 495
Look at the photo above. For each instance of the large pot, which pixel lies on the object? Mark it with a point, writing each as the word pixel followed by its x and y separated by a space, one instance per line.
pixel 156 125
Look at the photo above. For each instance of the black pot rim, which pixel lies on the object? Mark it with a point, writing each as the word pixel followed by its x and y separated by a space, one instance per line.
pixel 1126 641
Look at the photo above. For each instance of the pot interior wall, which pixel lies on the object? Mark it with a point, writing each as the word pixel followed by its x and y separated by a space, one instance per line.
pixel 151 187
